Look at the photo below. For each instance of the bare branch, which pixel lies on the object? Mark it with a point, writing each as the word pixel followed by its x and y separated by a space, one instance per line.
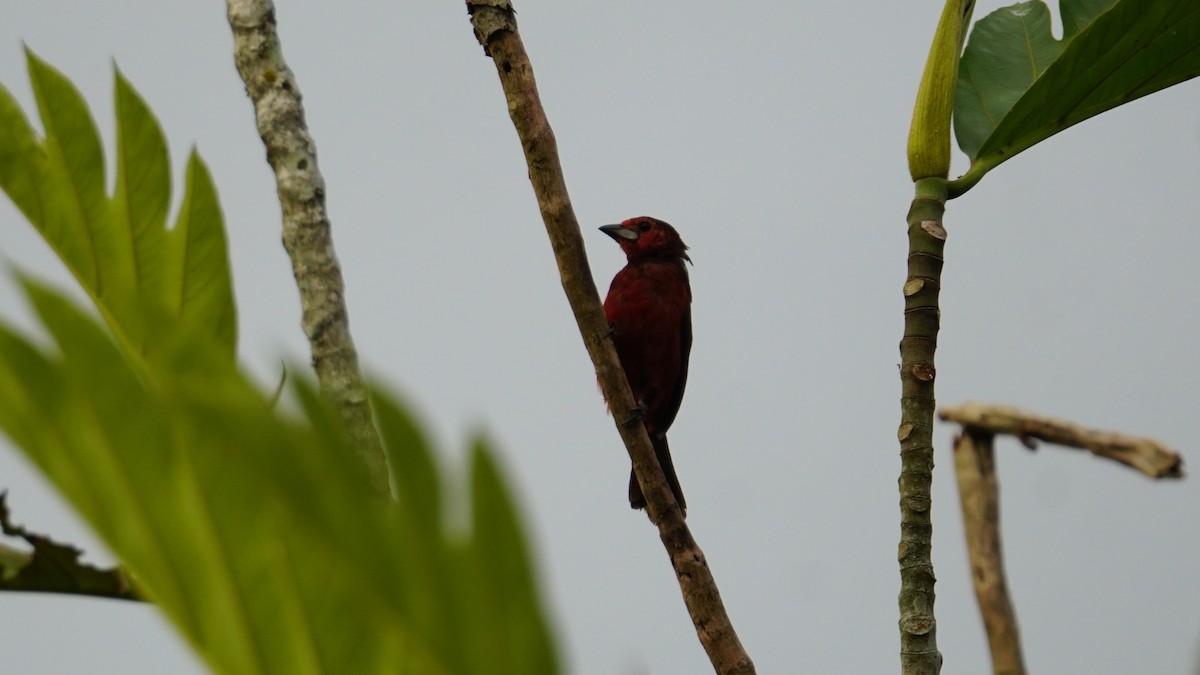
pixel 292 154
pixel 496 29
pixel 979 495
pixel 53 567
pixel 1147 455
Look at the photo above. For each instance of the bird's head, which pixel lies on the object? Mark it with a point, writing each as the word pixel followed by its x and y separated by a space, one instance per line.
pixel 646 237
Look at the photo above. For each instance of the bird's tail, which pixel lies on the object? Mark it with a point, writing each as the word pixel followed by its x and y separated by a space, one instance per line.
pixel 636 499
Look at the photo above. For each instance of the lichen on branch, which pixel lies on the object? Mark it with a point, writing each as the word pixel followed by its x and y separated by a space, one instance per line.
pixel 307 233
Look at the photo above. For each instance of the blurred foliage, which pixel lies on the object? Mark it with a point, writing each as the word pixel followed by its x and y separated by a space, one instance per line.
pixel 248 523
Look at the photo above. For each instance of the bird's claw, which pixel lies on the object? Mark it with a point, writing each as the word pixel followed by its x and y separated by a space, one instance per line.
pixel 636 415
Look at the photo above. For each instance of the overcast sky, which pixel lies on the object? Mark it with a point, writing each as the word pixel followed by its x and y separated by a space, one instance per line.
pixel 772 136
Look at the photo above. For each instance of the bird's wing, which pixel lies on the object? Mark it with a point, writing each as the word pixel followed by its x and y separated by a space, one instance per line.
pixel 685 351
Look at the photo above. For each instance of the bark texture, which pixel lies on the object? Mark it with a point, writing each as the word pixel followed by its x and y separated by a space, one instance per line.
pixel 307 235
pixel 919 654
pixel 1147 455
pixel 979 496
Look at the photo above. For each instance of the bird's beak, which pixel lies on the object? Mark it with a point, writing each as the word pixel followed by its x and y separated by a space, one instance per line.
pixel 619 232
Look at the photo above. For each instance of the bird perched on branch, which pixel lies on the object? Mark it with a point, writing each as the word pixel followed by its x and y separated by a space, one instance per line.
pixel 649 309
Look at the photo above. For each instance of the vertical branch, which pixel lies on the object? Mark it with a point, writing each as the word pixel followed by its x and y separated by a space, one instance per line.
pixel 495 27
pixel 918 629
pixel 292 154
pixel 979 495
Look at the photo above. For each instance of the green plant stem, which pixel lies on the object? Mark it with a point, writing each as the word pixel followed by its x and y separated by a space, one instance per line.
pixel 307 234
pixel 918 629
pixel 495 27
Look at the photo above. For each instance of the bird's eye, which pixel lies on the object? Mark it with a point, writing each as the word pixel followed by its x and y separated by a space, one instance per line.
pixel 644 226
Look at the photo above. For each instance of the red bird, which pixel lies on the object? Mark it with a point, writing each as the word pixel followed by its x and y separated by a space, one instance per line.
pixel 649 309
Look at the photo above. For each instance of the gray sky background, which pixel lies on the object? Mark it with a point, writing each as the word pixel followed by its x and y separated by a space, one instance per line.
pixel 772 135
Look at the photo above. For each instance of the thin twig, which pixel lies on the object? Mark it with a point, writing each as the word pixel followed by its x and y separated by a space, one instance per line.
pixel 1147 455
pixel 292 154
pixel 979 495
pixel 496 29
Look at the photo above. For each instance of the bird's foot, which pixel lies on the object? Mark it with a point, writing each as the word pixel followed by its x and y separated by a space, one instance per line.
pixel 636 415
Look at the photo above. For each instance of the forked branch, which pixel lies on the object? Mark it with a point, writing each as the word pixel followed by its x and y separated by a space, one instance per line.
pixel 979 495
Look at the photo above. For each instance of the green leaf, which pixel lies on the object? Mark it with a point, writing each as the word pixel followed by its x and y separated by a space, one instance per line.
pixel 254 529
pixel 520 639
pixel 411 461
pixel 118 247
pixel 1018 85
pixel 199 288
pixel 1007 51
pixel 74 206
pixel 143 191
pixel 251 528
pixel 418 494
pixel 23 163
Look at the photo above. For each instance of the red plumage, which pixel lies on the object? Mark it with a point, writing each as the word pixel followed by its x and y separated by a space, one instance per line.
pixel 649 309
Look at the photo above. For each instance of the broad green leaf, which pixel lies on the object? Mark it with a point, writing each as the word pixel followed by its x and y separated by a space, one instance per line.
pixel 118 247
pixel 1007 51
pixel 250 529
pixel 247 526
pixel 1018 85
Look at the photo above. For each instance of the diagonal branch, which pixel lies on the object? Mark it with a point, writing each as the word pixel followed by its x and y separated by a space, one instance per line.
pixel 496 29
pixel 292 154
pixel 1144 454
